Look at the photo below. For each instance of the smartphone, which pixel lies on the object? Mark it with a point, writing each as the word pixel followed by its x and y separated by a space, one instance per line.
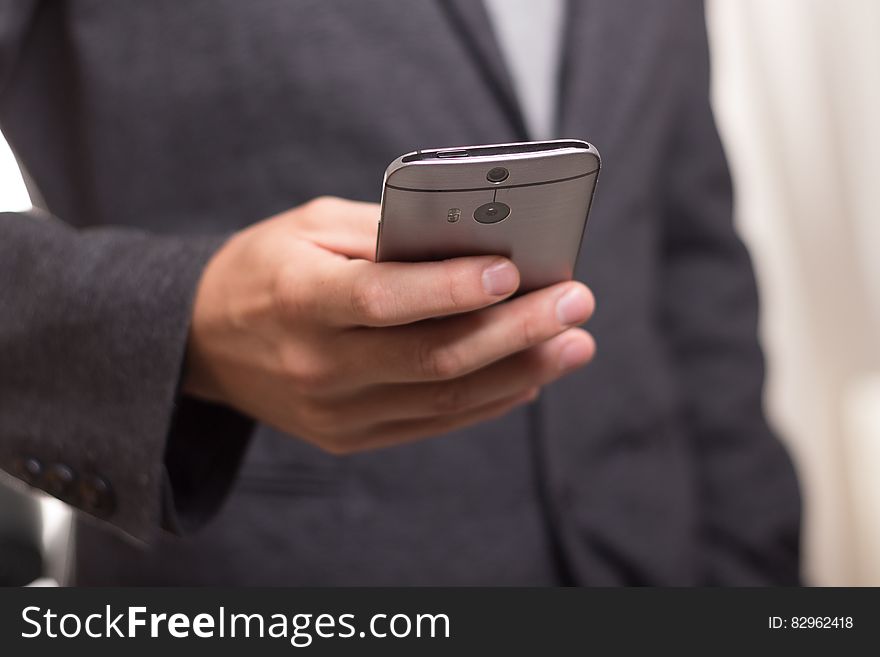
pixel 527 201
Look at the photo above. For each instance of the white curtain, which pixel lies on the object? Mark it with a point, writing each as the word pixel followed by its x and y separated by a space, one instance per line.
pixel 797 97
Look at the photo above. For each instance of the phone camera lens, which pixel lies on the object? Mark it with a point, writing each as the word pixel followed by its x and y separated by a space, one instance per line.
pixel 492 213
pixel 497 174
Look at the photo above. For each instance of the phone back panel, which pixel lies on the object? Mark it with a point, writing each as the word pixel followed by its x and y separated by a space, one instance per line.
pixel 429 205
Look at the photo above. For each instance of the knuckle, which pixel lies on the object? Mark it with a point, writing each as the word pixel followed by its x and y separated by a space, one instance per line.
pixel 322 203
pixel 439 362
pixel 307 375
pixel 529 330
pixel 288 364
pixel 369 301
pixel 286 293
pixel 316 377
pixel 454 288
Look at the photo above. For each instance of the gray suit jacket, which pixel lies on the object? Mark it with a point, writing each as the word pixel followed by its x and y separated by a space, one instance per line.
pixel 152 130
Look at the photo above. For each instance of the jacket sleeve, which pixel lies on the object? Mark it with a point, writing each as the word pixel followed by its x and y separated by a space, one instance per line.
pixel 93 330
pixel 748 494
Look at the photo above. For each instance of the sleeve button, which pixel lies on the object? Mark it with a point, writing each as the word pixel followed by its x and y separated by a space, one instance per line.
pixel 28 469
pixel 96 495
pixel 58 480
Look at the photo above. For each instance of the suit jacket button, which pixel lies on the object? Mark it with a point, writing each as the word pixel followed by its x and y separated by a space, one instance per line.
pixel 97 496
pixel 58 480
pixel 28 469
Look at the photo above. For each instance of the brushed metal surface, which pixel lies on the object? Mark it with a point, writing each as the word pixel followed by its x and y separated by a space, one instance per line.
pixel 549 194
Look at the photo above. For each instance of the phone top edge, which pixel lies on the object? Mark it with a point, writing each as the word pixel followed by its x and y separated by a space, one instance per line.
pixel 471 153
pixel 456 168
pixel 511 148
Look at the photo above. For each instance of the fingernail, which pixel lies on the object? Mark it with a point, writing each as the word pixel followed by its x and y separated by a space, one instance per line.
pixel 574 306
pixel 573 355
pixel 500 278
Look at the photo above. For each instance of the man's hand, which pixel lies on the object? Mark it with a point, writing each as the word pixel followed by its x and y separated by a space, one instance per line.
pixel 295 325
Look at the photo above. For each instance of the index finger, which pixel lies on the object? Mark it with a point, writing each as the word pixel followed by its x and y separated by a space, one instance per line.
pixel 342 226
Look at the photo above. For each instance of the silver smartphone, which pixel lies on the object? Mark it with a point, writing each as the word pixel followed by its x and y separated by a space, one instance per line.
pixel 527 201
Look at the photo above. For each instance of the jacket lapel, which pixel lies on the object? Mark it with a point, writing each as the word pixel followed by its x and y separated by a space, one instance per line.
pixel 581 60
pixel 469 20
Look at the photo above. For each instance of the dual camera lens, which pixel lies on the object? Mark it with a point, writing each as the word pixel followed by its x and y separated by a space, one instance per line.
pixel 492 213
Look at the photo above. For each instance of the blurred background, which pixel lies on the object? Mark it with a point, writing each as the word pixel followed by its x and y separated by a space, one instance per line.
pixel 796 93
pixel 797 99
